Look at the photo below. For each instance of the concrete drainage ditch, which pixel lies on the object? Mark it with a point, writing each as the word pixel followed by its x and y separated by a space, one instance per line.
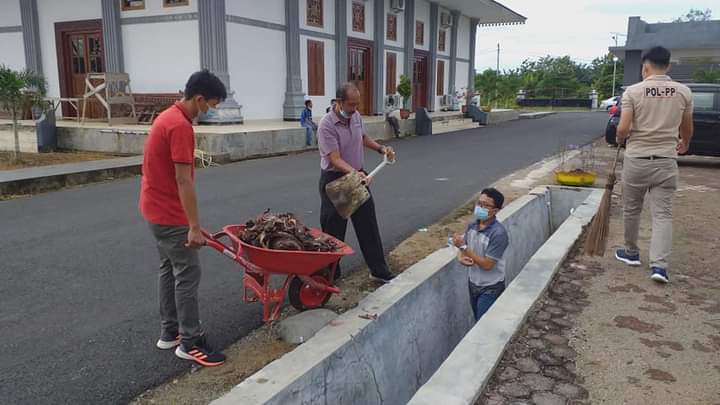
pixel 414 340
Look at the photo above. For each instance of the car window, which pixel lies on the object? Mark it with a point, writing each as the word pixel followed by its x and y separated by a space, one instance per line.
pixel 703 101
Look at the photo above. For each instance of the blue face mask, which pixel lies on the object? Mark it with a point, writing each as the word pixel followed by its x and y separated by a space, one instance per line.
pixel 211 112
pixel 480 213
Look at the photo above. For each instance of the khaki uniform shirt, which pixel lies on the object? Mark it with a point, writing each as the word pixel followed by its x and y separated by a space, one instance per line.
pixel 658 104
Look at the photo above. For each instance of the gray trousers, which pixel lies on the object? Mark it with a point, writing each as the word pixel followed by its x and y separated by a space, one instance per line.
pixel 658 179
pixel 178 284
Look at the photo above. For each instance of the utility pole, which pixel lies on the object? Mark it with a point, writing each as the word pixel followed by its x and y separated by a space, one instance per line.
pixel 497 74
pixel 615 59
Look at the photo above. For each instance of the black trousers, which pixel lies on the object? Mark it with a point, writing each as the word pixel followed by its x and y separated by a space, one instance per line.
pixel 365 224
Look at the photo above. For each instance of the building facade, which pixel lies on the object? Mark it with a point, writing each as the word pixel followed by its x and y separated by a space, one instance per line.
pixel 694 46
pixel 272 54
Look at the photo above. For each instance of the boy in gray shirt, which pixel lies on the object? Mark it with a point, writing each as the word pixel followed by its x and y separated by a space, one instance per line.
pixel 482 250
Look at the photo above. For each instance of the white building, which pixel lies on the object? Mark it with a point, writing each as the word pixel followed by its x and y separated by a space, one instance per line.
pixel 273 54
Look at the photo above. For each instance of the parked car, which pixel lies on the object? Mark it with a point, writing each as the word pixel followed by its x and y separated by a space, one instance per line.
pixel 706 121
pixel 606 104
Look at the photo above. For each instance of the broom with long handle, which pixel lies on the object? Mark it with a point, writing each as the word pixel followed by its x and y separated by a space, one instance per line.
pixel 597 235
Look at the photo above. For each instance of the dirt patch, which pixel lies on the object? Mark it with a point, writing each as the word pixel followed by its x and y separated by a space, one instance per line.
pixel 632 323
pixel 701 347
pixel 669 307
pixel 659 375
pixel 45 159
pixel 660 343
pixel 626 288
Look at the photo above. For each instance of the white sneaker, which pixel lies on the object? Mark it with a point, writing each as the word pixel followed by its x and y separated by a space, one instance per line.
pixel 167 344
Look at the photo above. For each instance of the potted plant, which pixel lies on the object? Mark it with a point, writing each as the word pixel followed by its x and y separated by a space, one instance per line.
pixel 20 91
pixel 405 91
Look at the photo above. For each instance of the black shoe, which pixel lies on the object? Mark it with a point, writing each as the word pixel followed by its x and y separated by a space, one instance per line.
pixel 385 278
pixel 201 353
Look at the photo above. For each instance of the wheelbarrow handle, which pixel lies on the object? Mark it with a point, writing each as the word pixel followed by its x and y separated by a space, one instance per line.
pixel 213 241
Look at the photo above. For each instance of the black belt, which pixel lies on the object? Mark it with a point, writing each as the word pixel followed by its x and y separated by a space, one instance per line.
pixel 653 157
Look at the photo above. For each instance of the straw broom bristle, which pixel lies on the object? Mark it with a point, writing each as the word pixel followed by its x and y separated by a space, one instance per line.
pixel 597 235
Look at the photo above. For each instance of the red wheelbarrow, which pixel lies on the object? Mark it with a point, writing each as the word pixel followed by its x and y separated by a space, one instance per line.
pixel 309 276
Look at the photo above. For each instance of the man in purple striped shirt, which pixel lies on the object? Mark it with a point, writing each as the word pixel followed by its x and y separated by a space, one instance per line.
pixel 341 138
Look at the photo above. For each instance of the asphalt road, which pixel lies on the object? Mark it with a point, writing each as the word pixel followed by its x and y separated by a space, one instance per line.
pixel 78 295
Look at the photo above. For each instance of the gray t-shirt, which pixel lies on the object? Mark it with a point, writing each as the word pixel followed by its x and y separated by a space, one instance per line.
pixel 491 241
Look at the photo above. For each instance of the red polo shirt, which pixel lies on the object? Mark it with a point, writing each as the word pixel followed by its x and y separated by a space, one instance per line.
pixel 171 140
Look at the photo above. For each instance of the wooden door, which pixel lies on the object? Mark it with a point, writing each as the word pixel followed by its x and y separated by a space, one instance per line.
pixel 360 73
pixel 419 80
pixel 80 51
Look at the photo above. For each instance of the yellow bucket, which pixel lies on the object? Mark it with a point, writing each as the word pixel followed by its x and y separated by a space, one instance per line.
pixel 575 178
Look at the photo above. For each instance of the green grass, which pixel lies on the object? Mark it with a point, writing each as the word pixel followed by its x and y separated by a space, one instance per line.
pixel 557 109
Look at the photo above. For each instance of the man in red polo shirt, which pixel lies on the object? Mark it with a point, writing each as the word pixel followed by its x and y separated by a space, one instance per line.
pixel 169 203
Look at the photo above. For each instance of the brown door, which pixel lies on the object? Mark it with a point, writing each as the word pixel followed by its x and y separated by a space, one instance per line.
pixel 80 51
pixel 360 72
pixel 420 80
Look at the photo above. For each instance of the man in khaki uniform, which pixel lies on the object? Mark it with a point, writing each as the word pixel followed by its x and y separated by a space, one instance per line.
pixel 656 125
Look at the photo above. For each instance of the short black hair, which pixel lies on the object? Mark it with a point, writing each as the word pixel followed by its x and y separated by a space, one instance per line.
pixel 332 100
pixel 203 83
pixel 344 89
pixel 658 56
pixel 307 102
pixel 497 197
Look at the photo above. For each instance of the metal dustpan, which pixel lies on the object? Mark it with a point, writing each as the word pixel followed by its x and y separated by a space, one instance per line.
pixel 349 192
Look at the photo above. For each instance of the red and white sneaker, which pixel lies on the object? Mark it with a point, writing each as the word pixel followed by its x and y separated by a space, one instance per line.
pixel 200 353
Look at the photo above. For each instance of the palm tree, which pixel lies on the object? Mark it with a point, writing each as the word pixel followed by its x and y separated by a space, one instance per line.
pixel 19 91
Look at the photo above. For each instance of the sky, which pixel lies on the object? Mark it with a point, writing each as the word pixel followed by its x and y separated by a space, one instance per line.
pixel 582 29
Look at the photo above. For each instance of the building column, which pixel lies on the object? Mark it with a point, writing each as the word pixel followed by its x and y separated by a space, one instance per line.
pixel 112 36
pixel 294 95
pixel 409 40
pixel 633 67
pixel 453 53
pixel 432 69
pixel 31 35
pixel 471 73
pixel 213 56
pixel 341 43
pixel 379 65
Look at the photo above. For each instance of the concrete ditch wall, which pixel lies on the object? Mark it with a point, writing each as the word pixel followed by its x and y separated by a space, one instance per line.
pixel 463 376
pixel 421 317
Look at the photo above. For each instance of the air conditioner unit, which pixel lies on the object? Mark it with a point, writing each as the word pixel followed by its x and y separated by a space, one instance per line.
pixel 445 20
pixel 395 98
pixel 397 6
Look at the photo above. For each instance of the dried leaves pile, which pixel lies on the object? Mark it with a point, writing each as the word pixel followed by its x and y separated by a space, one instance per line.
pixel 283 232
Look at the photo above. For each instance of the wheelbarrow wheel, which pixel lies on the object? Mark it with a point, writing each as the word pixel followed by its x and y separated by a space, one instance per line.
pixel 303 296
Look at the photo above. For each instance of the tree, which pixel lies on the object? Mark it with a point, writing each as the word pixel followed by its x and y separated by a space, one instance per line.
pixel 404 89
pixel 695 15
pixel 557 77
pixel 18 92
pixel 707 76
pixel 602 73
